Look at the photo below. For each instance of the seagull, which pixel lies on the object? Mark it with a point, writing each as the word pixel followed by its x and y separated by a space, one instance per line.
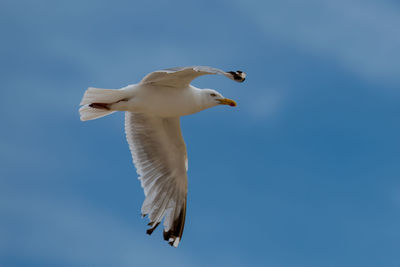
pixel 153 108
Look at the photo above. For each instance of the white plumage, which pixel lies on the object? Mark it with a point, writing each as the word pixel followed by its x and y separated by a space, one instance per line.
pixel 152 124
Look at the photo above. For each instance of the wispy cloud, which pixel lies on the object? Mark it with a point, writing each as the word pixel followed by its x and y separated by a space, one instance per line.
pixel 360 36
pixel 71 231
pixel 264 105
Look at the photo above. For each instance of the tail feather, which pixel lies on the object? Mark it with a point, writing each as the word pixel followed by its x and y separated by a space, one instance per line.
pixel 89 113
pixel 94 98
pixel 98 95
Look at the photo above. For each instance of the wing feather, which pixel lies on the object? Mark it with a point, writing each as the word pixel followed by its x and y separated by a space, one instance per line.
pixel 182 76
pixel 159 154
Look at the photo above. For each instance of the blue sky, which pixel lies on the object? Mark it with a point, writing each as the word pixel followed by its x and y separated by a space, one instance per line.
pixel 304 172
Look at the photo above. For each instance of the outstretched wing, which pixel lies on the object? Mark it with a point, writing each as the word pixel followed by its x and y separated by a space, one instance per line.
pixel 159 154
pixel 182 76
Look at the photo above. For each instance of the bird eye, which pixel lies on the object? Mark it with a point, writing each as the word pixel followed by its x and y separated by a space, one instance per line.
pixel 212 94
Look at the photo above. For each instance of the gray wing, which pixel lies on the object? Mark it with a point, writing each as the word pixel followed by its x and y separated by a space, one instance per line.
pixel 182 76
pixel 159 154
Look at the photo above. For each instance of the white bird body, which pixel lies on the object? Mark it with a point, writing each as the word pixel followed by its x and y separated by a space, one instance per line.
pixel 165 101
pixel 153 109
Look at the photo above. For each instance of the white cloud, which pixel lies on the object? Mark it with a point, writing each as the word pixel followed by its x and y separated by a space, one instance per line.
pixel 360 36
pixel 37 228
pixel 266 105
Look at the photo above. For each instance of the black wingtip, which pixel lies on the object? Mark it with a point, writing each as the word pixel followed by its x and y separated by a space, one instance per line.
pixel 174 235
pixel 238 75
pixel 153 227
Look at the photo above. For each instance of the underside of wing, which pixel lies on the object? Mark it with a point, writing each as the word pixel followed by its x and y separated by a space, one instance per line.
pixel 159 154
pixel 183 76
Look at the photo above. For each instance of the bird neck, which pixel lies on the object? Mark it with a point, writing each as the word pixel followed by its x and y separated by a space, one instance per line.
pixel 200 99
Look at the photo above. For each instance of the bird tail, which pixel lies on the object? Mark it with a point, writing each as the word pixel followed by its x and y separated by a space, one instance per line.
pixel 90 113
pixel 95 102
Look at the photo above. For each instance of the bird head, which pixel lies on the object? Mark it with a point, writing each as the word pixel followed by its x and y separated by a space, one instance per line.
pixel 213 98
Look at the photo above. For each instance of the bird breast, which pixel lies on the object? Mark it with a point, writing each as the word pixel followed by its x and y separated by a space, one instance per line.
pixel 165 101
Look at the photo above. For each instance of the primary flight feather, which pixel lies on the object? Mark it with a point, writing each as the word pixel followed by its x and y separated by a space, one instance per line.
pixel 153 108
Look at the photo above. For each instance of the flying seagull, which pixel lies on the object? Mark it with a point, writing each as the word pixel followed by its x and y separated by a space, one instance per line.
pixel 153 108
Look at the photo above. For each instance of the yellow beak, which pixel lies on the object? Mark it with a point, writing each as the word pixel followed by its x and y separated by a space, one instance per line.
pixel 227 101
